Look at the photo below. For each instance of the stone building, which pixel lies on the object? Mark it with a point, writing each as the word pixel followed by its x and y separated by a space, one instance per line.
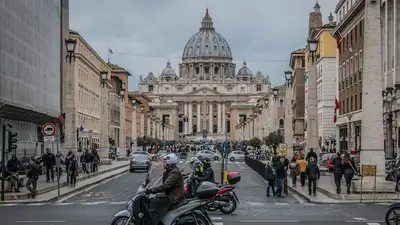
pixel 30 71
pixel 206 86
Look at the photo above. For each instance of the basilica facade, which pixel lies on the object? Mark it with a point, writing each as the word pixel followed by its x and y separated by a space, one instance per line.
pixel 198 101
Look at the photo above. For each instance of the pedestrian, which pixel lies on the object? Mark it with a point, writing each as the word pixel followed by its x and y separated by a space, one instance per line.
pixel 49 161
pixel 302 165
pixel 337 172
pixel 59 163
pixel 280 171
pixel 348 170
pixel 274 159
pixel 294 169
pixel 13 167
pixel 96 160
pixel 33 176
pixel 270 177
pixel 313 175
pixel 67 161
pixel 73 170
pixel 311 154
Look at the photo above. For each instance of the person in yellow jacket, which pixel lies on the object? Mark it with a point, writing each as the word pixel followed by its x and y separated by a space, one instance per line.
pixel 303 165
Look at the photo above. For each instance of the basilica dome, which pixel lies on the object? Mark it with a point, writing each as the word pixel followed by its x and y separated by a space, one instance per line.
pixel 207 43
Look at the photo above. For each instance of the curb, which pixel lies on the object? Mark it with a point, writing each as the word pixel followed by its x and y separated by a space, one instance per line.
pixel 64 184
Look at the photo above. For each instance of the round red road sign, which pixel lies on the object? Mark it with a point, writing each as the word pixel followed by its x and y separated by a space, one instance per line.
pixel 49 129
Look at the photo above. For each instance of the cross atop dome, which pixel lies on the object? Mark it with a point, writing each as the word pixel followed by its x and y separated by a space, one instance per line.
pixel 207 22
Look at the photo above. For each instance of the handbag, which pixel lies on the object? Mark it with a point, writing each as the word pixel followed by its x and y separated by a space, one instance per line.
pixel 355 177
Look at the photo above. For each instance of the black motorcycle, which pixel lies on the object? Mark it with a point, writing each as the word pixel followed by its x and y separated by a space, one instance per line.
pixel 188 212
pixel 391 216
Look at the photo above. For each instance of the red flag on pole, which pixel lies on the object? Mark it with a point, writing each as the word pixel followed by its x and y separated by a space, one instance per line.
pixel 338 36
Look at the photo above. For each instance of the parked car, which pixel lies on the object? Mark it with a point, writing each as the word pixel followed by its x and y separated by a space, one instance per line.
pixel 324 158
pixel 162 153
pixel 139 162
pixel 183 155
pixel 203 154
pixel 236 156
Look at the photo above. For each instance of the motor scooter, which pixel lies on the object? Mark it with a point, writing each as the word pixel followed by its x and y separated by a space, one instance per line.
pixel 188 212
pixel 391 217
pixel 225 199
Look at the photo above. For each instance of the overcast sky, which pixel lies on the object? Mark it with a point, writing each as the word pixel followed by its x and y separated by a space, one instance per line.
pixel 149 32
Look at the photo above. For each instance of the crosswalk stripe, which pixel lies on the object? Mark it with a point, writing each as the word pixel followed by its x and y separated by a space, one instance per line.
pixel 218 223
pixel 63 203
pixel 281 203
pixel 8 205
pixel 118 203
pixel 35 204
pixel 93 203
pixel 216 218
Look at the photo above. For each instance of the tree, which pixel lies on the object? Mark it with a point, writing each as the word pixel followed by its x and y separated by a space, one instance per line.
pixel 273 139
pixel 139 141
pixel 255 142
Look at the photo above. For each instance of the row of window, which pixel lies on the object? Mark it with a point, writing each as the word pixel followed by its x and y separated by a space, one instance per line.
pixel 88 101
pixel 352 37
pixel 229 89
pixel 350 104
pixel 88 54
pixel 89 79
pixel 351 66
pixel 88 123
pixel 346 6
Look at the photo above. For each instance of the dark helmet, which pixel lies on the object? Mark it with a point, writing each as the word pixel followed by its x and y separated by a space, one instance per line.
pixel 206 161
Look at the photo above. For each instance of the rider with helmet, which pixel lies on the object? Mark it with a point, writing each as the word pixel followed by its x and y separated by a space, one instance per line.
pixel 208 173
pixel 172 187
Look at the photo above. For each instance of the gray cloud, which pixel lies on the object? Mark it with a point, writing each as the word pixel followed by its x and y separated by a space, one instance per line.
pixel 262 32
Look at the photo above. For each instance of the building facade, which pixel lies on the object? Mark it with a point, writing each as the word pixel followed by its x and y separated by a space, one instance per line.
pixel 30 70
pixel 205 88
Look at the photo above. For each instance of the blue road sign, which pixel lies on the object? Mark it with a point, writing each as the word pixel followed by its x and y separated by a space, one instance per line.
pixel 225 147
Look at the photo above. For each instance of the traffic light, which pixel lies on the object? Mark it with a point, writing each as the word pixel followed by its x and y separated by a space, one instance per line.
pixel 12 140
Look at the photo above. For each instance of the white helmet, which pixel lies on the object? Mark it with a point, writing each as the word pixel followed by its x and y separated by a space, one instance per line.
pixel 170 159
pixel 194 162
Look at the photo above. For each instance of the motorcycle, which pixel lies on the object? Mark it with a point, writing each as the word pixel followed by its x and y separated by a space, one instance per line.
pixel 188 212
pixel 395 219
pixel 225 200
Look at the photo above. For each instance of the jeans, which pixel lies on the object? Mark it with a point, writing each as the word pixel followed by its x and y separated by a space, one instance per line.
pixel 271 184
pixel 157 208
pixel 294 180
pixel 33 182
pixel 280 182
pixel 312 186
pixel 49 171
pixel 303 178
pixel 338 178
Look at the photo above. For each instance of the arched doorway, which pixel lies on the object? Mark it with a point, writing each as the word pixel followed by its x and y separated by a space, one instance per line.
pixel 194 129
pixel 215 129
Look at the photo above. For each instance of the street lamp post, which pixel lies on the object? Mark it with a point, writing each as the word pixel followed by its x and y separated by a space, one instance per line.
pixel 312 132
pixel 288 77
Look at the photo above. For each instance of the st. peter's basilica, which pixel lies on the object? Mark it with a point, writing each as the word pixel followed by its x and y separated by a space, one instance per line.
pixel 207 80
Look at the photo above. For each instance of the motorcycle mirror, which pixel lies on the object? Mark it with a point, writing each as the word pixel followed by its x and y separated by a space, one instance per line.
pixel 182 169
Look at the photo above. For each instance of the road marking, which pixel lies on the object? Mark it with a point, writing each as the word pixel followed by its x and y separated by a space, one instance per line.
pixel 27 221
pixel 359 219
pixel 118 203
pixel 255 204
pixel 218 223
pixel 281 203
pixel 308 204
pixel 65 203
pixel 216 218
pixel 384 203
pixel 89 188
pixel 93 203
pixel 373 224
pixel 269 221
pixel 35 204
pixel 8 204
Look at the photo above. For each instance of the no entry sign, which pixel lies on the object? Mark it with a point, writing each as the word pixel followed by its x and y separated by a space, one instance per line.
pixel 49 129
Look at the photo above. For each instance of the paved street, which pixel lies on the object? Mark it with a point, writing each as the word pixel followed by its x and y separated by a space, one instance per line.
pixel 98 204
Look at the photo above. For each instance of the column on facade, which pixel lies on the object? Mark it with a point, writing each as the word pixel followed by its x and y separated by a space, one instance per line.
pixel 198 116
pixel 148 125
pixel 142 124
pixel 190 115
pixel 223 114
pixel 134 131
pixel 312 107
pixel 186 114
pixel 397 39
pixel 219 122
pixel 122 136
pixel 104 129
pixel 210 117
pixel 372 122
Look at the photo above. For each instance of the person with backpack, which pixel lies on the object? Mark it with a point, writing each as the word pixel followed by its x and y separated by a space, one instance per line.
pixel 270 177
pixel 337 172
pixel 311 154
pixel 312 171
pixel 294 169
pixel 349 169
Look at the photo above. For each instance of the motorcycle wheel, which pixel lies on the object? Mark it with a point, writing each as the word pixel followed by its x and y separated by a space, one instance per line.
pixel 396 217
pixel 232 206
pixel 188 219
pixel 121 220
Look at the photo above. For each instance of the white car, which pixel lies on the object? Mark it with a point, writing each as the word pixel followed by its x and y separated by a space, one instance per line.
pixel 236 156
pixel 208 154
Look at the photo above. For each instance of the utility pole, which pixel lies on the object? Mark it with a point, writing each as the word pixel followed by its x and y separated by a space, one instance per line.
pixel 3 158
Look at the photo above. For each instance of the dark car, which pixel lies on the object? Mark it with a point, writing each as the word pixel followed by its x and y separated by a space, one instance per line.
pixel 183 155
pixel 139 162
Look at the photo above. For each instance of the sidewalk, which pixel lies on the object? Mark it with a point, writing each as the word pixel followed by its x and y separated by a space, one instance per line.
pixel 326 193
pixel 49 192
